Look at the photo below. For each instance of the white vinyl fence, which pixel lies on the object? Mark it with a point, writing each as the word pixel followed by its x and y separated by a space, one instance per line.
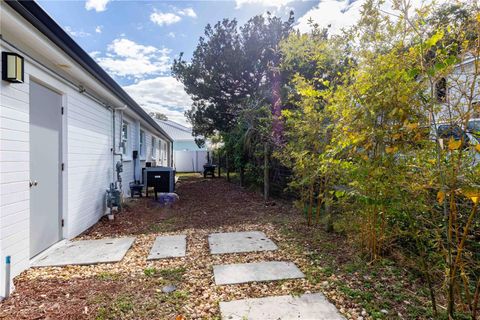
pixel 190 161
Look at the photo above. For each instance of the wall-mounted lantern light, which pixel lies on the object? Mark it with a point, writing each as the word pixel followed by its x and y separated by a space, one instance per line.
pixel 12 67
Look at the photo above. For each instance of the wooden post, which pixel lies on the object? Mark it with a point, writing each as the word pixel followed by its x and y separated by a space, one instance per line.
pixel 242 176
pixel 227 167
pixel 219 173
pixel 266 173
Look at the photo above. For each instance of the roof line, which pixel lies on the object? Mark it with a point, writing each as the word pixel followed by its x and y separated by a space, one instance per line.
pixel 36 16
pixel 175 125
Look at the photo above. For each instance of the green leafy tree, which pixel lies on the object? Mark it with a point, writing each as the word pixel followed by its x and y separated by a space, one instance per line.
pixel 235 71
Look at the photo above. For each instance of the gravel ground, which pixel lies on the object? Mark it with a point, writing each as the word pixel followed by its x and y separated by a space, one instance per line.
pixel 132 288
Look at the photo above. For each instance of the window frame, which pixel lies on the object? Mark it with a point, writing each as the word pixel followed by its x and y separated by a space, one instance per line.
pixel 153 148
pixel 125 137
pixel 141 144
pixel 165 153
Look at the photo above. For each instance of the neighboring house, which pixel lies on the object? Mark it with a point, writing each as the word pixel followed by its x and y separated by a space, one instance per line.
pixel 187 156
pixel 455 93
pixel 61 133
pixel 458 98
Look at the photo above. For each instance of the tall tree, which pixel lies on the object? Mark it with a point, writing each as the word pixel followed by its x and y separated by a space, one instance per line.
pixel 231 66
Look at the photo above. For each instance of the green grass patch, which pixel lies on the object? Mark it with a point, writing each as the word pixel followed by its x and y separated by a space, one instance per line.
pixel 175 274
pixel 150 272
pixel 176 298
pixel 108 276
pixel 172 275
pixel 164 226
pixel 119 308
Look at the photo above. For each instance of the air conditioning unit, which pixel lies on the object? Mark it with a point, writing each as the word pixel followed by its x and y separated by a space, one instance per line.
pixel 162 177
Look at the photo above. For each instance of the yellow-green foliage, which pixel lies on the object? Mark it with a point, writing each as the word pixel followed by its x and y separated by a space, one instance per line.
pixel 361 139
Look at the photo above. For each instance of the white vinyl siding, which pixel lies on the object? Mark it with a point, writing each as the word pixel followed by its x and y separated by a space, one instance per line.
pixel 14 175
pixel 86 147
pixel 89 161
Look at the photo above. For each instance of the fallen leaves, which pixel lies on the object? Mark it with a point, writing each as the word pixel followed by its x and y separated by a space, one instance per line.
pixel 229 208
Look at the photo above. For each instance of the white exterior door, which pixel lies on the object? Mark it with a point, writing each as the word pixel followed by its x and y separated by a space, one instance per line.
pixel 45 167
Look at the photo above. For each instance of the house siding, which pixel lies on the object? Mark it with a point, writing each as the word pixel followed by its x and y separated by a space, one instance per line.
pixel 14 176
pixel 134 144
pixel 87 143
pixel 127 174
pixel 89 163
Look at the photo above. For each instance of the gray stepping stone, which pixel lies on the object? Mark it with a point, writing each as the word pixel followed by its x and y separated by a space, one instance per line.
pixel 168 289
pixel 85 252
pixel 307 306
pixel 168 247
pixel 258 271
pixel 235 242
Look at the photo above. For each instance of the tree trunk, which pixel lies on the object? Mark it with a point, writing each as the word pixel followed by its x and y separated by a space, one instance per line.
pixel 266 173
pixel 219 173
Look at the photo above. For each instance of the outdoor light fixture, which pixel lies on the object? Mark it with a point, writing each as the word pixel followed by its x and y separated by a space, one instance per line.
pixel 12 67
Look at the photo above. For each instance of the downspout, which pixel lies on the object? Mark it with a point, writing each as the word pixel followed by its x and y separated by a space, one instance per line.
pixel 113 144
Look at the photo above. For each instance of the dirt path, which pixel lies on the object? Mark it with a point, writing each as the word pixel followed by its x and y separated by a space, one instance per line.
pixel 132 288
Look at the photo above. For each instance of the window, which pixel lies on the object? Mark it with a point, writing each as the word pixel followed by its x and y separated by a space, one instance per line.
pixel 153 151
pixel 125 137
pixel 142 143
pixel 441 90
pixel 160 147
pixel 473 126
pixel 165 160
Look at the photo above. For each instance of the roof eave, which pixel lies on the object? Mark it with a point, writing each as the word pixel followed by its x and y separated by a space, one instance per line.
pixel 37 17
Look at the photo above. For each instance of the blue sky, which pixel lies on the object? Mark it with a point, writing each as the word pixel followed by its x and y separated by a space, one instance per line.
pixel 136 41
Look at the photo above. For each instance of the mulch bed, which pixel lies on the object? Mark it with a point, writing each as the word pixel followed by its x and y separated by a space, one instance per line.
pixel 132 288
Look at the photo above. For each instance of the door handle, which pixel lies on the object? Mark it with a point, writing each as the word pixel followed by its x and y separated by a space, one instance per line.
pixel 33 183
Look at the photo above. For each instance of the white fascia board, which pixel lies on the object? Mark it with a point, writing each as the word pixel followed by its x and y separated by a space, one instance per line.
pixel 14 27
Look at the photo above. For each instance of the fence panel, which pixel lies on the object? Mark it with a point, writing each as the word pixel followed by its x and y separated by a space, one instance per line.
pixel 190 161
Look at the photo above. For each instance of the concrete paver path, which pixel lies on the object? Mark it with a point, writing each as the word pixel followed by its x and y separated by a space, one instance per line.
pixel 236 242
pixel 308 306
pixel 168 247
pixel 258 271
pixel 85 252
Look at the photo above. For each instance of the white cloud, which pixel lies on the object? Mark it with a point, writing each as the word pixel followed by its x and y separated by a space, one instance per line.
pixel 171 34
pixel 126 58
pixel 162 18
pixel 98 29
pixel 162 94
pixel 97 5
pixel 94 54
pixel 265 3
pixel 77 34
pixel 340 14
pixel 189 12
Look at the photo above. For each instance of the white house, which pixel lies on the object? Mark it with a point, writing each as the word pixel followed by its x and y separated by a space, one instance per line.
pixel 187 155
pixel 458 98
pixel 62 130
